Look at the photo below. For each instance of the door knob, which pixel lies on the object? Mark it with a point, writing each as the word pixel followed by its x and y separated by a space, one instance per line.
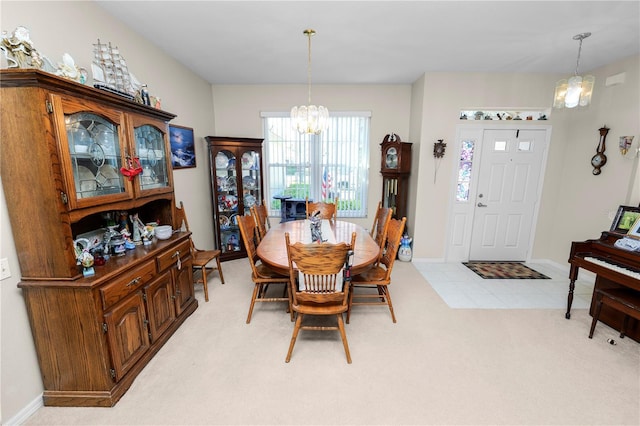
pixel 482 205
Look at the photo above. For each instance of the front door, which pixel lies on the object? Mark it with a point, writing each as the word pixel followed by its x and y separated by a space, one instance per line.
pixel 507 193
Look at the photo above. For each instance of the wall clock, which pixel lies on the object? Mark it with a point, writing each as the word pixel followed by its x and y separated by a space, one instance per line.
pixel 599 160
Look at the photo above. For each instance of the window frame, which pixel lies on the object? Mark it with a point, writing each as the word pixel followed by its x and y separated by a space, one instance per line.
pixel 316 161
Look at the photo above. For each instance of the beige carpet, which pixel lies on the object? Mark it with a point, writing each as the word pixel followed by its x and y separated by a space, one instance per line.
pixel 435 366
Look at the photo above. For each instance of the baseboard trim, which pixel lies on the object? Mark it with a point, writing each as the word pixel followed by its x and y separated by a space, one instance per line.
pixel 26 412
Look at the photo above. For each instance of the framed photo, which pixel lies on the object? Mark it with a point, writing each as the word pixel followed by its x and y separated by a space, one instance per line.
pixel 625 218
pixel 183 150
pixel 634 231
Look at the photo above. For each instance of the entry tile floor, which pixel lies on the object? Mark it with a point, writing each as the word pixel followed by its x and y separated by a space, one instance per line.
pixel 460 288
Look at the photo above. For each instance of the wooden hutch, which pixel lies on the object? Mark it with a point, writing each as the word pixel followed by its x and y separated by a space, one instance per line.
pixel 64 145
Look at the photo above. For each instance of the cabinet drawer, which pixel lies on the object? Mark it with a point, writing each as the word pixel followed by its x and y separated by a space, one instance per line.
pixel 167 259
pixel 127 283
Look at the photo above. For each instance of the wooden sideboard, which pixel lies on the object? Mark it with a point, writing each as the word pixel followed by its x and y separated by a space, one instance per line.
pixel 64 146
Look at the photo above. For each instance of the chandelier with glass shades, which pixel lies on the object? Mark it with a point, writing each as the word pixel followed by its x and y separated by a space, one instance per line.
pixel 577 90
pixel 309 119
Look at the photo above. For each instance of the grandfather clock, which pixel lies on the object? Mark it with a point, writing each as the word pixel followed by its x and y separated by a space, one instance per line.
pixel 395 170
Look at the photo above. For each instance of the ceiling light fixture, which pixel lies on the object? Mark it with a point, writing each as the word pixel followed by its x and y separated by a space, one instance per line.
pixel 577 90
pixel 309 119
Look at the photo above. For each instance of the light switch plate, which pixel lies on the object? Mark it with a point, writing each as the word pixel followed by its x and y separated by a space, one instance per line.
pixel 4 268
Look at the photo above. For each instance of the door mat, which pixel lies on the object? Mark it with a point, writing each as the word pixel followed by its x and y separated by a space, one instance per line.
pixel 504 271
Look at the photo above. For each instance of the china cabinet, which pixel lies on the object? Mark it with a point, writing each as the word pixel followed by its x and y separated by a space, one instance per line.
pixel 395 170
pixel 73 157
pixel 236 186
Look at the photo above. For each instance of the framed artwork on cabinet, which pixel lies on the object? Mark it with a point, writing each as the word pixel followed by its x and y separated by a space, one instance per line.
pixel 183 149
pixel 625 218
pixel 634 231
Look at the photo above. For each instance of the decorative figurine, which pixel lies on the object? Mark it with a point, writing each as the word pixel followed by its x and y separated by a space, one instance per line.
pixel 87 263
pixel 404 252
pixel 315 224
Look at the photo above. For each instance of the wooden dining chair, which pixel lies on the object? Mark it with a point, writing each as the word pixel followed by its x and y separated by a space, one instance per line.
pixel 380 226
pixel 327 210
pixel 201 258
pixel 261 216
pixel 261 275
pixel 318 286
pixel 378 277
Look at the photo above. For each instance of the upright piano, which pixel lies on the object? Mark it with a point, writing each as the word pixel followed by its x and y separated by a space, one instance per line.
pixel 614 267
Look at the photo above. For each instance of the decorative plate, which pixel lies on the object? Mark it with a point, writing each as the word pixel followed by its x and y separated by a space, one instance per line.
pixel 233 219
pixel 224 221
pixel 233 242
pixel 248 160
pixel 222 161
pixel 227 202
pixel 249 201
pixel 248 182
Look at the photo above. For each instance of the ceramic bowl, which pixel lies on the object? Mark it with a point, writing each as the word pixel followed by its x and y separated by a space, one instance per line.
pixel 163 232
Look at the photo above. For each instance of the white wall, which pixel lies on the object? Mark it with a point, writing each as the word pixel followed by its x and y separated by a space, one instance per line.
pixel 575 205
pixel 585 203
pixel 56 28
pixel 238 108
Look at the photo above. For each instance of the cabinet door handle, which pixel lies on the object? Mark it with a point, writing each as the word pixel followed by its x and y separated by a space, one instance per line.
pixel 134 281
pixel 176 254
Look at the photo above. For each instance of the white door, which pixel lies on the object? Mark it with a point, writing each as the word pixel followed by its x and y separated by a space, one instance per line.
pixel 507 193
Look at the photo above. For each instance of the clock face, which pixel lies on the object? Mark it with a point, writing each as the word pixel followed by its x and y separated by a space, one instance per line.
pixel 391 159
pixel 598 160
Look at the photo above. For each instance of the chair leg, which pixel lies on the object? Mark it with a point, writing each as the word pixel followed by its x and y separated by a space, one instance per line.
pixel 204 284
pixel 388 297
pixel 349 302
pixel 343 335
pixel 220 269
pixel 624 326
pixel 596 314
pixel 256 289
pixel 296 329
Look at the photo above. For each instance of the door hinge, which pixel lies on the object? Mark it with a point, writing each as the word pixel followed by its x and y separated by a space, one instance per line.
pixel 144 296
pixel 64 198
pixel 113 373
pixel 145 322
pixel 49 106
pixel 104 327
pixel 150 338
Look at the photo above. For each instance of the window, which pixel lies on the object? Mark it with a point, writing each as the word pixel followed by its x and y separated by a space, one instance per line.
pixel 321 167
pixel 464 170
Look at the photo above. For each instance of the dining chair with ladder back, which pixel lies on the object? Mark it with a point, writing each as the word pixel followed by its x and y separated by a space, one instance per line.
pixel 326 210
pixel 379 276
pixel 261 217
pixel 319 285
pixel 380 226
pixel 201 258
pixel 261 275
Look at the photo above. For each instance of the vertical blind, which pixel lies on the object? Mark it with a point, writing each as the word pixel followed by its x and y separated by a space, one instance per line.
pixel 332 165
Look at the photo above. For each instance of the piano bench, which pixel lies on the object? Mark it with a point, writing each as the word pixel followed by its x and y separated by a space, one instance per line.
pixel 624 300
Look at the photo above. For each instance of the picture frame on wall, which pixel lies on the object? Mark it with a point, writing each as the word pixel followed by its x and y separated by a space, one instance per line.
pixel 183 149
pixel 634 231
pixel 624 219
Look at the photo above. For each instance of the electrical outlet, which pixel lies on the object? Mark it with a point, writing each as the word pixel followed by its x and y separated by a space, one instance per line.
pixel 4 268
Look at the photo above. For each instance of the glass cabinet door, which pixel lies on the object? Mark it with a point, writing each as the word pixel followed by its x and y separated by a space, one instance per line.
pixel 251 185
pixel 95 154
pixel 150 149
pixel 226 182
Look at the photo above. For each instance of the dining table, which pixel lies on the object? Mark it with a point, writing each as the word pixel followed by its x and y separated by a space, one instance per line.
pixel 272 250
